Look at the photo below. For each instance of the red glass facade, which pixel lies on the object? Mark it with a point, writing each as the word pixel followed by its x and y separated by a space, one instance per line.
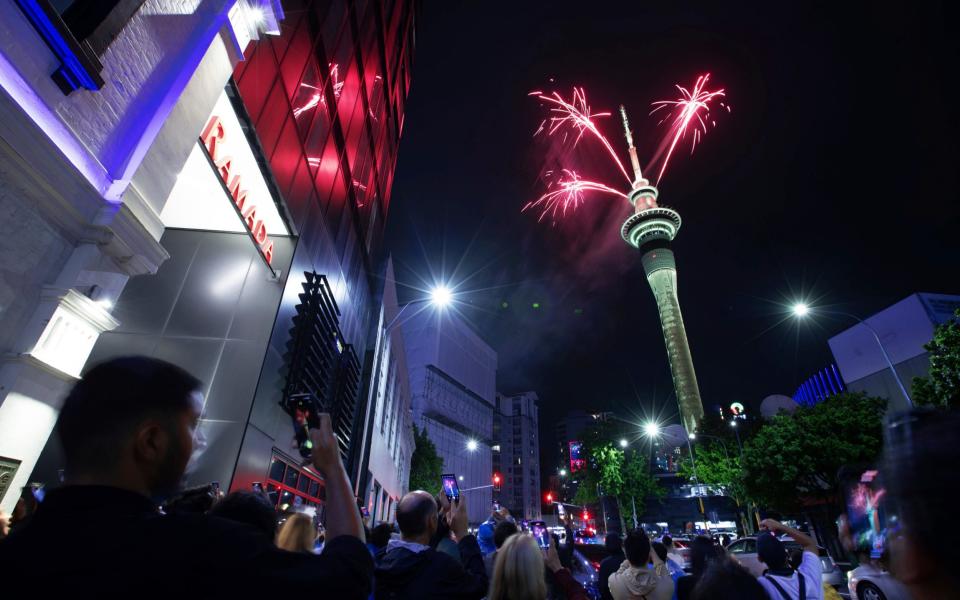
pixel 326 98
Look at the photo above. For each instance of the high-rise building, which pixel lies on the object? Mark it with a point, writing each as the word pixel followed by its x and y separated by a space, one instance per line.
pixel 516 453
pixel 453 375
pixel 229 174
pixel 388 441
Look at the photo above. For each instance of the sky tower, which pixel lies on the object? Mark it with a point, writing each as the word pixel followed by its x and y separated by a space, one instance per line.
pixel 651 229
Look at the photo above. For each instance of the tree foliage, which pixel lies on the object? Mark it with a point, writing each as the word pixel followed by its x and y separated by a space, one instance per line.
pixel 797 456
pixel 613 471
pixel 942 387
pixel 426 466
pixel 718 466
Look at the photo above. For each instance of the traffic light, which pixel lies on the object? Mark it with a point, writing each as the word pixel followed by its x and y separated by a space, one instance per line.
pixel 496 482
pixel 586 515
pixel 549 498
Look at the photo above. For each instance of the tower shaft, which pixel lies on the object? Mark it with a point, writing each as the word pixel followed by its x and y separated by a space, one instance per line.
pixel 661 271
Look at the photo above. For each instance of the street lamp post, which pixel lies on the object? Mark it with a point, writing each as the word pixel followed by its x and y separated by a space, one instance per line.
pixel 801 310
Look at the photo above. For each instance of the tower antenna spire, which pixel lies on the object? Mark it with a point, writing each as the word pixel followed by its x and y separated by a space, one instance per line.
pixel 634 161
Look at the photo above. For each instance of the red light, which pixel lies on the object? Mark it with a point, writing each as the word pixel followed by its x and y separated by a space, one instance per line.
pixel 586 516
pixel 549 498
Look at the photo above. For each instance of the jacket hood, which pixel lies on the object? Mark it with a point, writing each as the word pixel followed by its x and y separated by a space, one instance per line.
pixel 398 566
pixel 635 581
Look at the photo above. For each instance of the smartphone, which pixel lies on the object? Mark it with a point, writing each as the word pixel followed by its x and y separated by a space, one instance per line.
pixel 540 533
pixel 36 489
pixel 866 511
pixel 364 511
pixel 496 505
pixel 215 488
pixel 450 487
pixel 257 486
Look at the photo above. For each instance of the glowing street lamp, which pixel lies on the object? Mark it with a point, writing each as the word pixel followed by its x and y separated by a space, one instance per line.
pixel 563 472
pixel 624 443
pixel 801 310
pixel 441 296
pixel 472 445
pixel 651 429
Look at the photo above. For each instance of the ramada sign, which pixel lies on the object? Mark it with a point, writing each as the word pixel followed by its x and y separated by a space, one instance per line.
pixel 212 138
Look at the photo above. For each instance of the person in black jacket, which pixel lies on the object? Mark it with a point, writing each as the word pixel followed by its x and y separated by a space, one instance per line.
pixel 411 568
pixel 128 430
pixel 610 564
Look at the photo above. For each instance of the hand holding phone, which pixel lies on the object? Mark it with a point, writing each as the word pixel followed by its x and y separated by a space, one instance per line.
pixel 450 488
pixel 540 533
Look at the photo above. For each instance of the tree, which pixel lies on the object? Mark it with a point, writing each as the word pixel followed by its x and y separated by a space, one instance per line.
pixel 716 467
pixel 426 466
pixel 602 474
pixel 796 457
pixel 942 387
pixel 638 483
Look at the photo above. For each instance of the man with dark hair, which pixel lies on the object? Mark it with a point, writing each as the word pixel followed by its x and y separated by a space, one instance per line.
pixel 501 532
pixel 610 564
pixel 129 429
pixel 779 580
pixel 634 579
pixel 725 579
pixel 380 536
pixel 251 508
pixel 411 568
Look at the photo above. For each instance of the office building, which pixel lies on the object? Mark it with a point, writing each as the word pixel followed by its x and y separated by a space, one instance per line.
pixel 516 453
pixel 453 375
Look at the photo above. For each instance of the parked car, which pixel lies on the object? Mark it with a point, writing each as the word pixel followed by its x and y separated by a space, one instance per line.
pixel 744 551
pixel 870 582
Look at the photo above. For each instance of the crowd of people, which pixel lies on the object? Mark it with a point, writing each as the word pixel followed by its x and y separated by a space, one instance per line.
pixel 129 434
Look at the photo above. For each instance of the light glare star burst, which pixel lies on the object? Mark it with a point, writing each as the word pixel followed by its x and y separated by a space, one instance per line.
pixel 688 113
pixel 566 193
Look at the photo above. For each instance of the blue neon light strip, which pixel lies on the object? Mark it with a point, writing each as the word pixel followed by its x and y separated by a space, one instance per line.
pixel 72 69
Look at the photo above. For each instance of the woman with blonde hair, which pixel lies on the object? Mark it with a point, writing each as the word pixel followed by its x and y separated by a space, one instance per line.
pixel 519 571
pixel 297 534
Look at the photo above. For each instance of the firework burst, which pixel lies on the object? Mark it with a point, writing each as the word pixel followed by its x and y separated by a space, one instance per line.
pixel 566 193
pixel 687 114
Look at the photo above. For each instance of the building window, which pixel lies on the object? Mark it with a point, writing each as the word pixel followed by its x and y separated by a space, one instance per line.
pixel 290 486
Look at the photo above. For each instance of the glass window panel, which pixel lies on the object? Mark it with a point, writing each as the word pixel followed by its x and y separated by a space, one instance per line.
pixel 314 488
pixel 276 470
pixel 304 484
pixel 309 98
pixel 287 157
pixel 332 24
pixel 295 59
pixel 286 500
pixel 257 80
pixel 318 136
pixel 271 121
pixel 291 477
pixel 327 171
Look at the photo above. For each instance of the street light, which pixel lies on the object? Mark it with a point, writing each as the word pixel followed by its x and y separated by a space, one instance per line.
pixel 441 296
pixel 472 445
pixel 801 310
pixel 624 443
pixel 563 472
pixel 733 423
pixel 651 429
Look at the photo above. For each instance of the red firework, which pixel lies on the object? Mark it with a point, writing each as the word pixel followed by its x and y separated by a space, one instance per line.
pixel 566 193
pixel 688 113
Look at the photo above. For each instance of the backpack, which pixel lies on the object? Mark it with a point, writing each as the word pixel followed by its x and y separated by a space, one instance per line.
pixel 803 586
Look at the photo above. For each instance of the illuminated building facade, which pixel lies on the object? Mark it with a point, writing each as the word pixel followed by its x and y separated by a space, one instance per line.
pixel 233 162
pixel 453 378
pixel 516 453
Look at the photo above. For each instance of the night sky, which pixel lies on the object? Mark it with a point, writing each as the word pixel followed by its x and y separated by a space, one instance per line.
pixel 833 180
